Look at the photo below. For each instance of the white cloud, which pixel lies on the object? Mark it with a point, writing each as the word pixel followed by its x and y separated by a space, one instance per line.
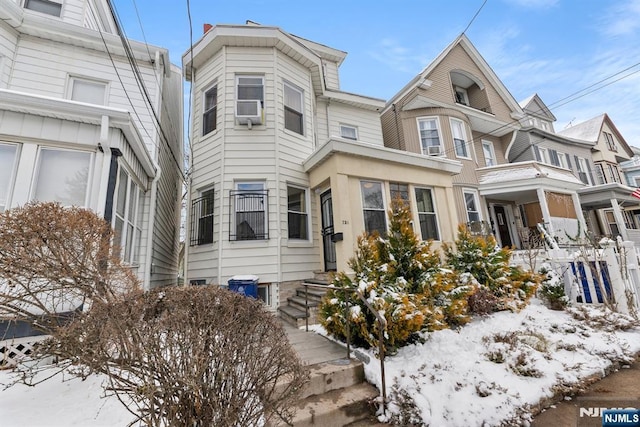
pixel 398 57
pixel 622 19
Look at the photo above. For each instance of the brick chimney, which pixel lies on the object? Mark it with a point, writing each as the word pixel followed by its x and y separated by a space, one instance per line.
pixel 206 27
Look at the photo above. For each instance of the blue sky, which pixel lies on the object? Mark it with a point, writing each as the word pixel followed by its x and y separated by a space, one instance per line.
pixel 551 47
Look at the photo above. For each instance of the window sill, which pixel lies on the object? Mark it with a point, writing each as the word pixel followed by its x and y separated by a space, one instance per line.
pixel 293 133
pixel 463 158
pixel 209 135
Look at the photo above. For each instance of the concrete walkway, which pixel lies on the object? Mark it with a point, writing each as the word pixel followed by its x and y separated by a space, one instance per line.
pixel 313 348
pixel 618 390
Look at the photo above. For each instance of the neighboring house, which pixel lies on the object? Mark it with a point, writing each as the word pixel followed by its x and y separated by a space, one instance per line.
pixel 608 202
pixel 77 128
pixel 458 108
pixel 288 170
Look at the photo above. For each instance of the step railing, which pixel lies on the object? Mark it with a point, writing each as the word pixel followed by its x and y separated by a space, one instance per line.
pixel 382 323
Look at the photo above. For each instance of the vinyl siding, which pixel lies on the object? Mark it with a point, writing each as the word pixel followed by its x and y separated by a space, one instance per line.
pixel 331 76
pixel 43 67
pixel 367 122
pixel 8 41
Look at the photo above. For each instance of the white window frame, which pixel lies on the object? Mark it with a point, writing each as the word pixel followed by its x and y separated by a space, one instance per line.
pixel 562 160
pixel 488 146
pixel 101 83
pixel 434 213
pixel 344 128
pixel 366 208
pixel 307 210
pixel 206 111
pixel 300 93
pixel 36 174
pixel 582 168
pixel 461 95
pixel 11 175
pixel 248 76
pixel 201 210
pixel 45 2
pixel 435 120
pixel 476 201
pixel 466 154
pixel 265 208
pixel 132 217
pixel 614 173
pixel 544 155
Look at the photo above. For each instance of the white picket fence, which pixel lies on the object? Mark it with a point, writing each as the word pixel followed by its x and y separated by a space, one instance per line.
pixel 593 276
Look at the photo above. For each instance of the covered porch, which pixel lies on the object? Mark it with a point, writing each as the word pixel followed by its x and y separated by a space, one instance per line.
pixel 528 198
pixel 611 211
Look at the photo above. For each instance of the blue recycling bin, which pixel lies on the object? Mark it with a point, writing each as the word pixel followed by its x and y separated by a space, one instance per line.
pixel 245 285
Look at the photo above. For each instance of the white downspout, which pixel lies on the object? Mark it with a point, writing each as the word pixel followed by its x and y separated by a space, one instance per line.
pixel 152 220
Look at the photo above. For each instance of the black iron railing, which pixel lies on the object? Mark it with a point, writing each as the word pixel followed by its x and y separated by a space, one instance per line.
pixel 249 215
pixel 201 231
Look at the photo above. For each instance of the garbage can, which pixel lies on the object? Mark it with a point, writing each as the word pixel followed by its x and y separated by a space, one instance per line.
pixel 245 285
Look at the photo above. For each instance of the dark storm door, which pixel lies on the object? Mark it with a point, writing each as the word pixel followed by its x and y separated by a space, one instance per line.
pixel 503 226
pixel 327 231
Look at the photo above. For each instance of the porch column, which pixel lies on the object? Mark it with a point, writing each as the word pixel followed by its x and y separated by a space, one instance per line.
pixel 617 214
pixel 546 215
pixel 579 214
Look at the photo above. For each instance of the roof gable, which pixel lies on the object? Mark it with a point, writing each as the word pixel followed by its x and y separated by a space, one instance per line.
pixel 590 130
pixel 534 106
pixel 445 60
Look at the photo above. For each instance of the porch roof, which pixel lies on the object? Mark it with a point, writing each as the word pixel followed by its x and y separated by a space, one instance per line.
pixel 377 152
pixel 514 181
pixel 600 196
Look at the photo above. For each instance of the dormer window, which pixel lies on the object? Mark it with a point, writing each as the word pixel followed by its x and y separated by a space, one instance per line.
pixel 53 8
pixel 461 95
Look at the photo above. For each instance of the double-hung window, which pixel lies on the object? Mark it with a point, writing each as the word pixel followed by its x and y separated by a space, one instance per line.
pixel 250 203
pixel 250 97
pixel 613 173
pixel 583 170
pixel 297 213
pixel 62 176
pixel 427 214
pixel 293 109
pixel 53 8
pixel 202 218
pixel 128 217
pixel 210 110
pixel 611 144
pixel 489 153
pixel 471 203
pixel 89 91
pixel 430 136
pixel 373 207
pixel 8 155
pixel 459 138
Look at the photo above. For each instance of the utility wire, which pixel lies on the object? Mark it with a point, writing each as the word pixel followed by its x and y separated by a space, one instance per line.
pixel 474 17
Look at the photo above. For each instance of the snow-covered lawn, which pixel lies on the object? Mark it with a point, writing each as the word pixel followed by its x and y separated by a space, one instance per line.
pixel 492 370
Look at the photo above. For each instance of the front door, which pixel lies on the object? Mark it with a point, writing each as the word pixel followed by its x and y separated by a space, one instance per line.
pixel 503 226
pixel 326 207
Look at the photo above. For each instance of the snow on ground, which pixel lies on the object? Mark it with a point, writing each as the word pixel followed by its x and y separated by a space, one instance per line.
pixel 456 378
pixel 469 378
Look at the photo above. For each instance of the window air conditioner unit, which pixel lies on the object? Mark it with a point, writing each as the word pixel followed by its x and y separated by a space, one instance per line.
pixel 249 111
pixel 433 150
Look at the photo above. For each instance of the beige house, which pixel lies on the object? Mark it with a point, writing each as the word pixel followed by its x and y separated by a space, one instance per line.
pixel 287 169
pixel 458 109
pixel 608 204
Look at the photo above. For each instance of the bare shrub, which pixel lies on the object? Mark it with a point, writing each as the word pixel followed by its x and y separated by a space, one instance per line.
pixel 196 356
pixel 54 261
pixel 483 301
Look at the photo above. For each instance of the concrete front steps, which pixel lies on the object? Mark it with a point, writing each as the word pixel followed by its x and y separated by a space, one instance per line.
pixel 336 395
pixel 294 313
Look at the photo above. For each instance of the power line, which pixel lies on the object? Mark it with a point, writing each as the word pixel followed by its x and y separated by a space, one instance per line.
pixel 474 17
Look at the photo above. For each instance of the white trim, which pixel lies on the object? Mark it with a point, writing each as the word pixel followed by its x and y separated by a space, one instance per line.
pixel 436 119
pixel 307 206
pixel 204 93
pixel 435 211
pixel 300 92
pixel 465 143
pixel 12 175
pixel 346 126
pixel 492 151
pixel 476 199
pixel 72 79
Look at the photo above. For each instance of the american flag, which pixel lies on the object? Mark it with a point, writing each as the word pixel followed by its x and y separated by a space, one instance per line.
pixel 636 193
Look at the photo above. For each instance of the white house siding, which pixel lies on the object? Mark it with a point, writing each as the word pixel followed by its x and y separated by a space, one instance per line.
pixel 43 67
pixel 367 122
pixel 322 124
pixel 331 76
pixel 73 11
pixel 8 40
